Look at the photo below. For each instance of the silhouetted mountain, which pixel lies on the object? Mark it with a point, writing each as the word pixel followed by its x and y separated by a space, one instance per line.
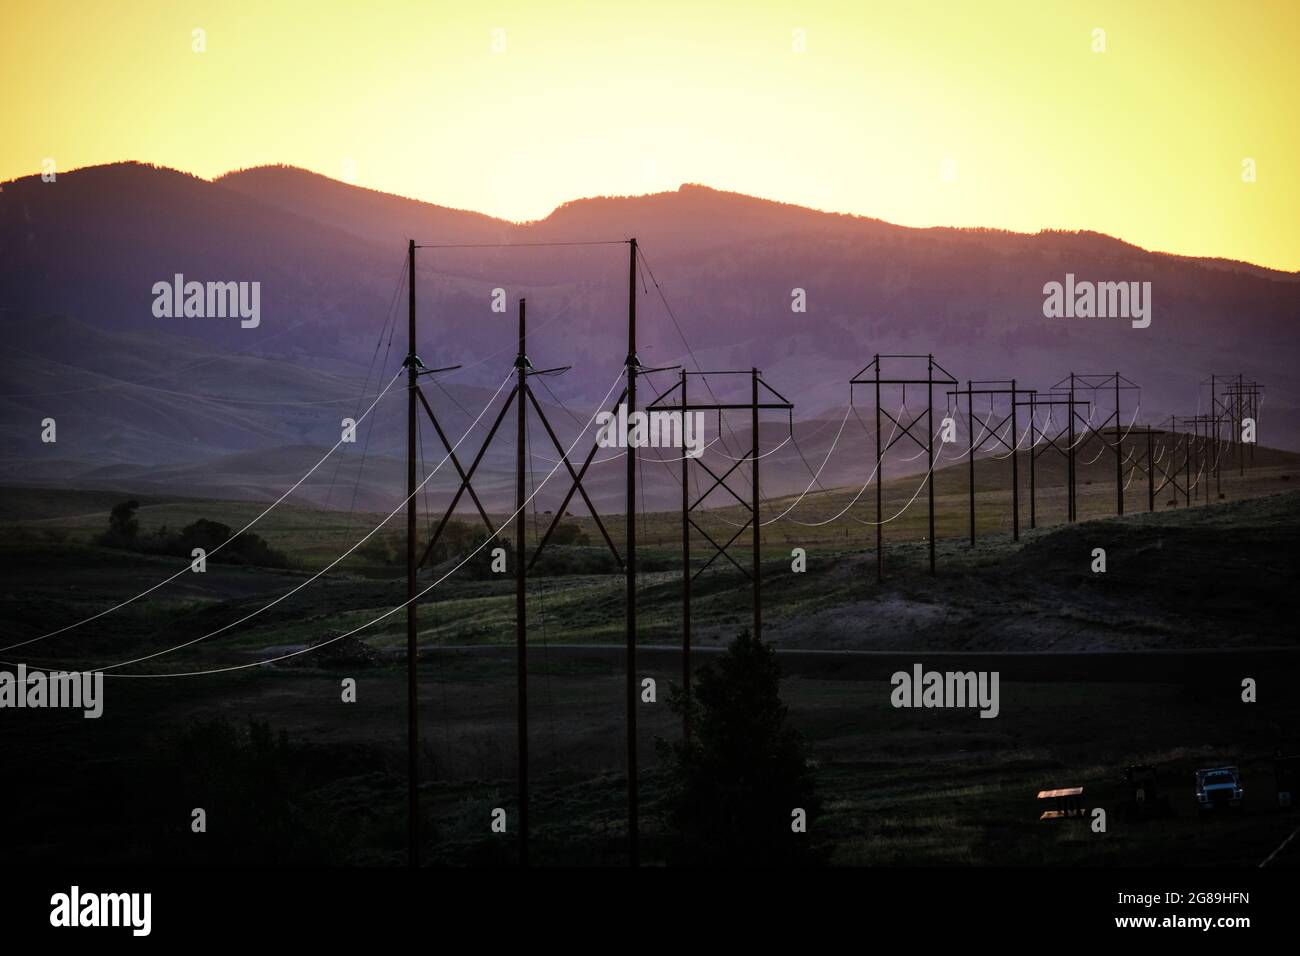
pixel 330 260
pixel 381 218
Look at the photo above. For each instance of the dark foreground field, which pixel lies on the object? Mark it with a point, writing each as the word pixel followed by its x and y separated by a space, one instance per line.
pixel 898 786
pixel 1097 672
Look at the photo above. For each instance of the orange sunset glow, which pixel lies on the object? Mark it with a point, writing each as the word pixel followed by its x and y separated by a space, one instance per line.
pixel 1170 125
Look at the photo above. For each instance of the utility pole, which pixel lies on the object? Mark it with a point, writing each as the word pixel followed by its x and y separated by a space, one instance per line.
pixel 880 483
pixel 1070 453
pixel 1202 458
pixel 1119 455
pixel 521 603
pixel 1254 417
pixel 929 446
pixel 970 452
pixel 686 572
pixel 1241 452
pixel 1151 474
pixel 1033 457
pixel 414 369
pixel 1218 435
pixel 1015 468
pixel 412 689
pixel 523 394
pixel 633 839
pixel 758 557
pixel 1243 398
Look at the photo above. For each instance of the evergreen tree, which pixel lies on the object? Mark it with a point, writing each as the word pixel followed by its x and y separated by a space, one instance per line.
pixel 734 785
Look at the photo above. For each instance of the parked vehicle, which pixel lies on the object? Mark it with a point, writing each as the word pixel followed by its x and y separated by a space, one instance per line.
pixel 1219 787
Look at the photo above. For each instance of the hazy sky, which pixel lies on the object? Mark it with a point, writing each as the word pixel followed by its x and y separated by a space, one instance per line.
pixel 958 113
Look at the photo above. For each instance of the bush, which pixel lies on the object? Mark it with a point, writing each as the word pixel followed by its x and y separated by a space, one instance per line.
pixel 124 532
pixel 248 548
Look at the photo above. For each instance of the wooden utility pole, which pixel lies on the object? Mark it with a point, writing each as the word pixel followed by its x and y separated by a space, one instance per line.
pixel 1218 436
pixel 929 446
pixel 1151 474
pixel 412 695
pixel 1070 459
pixel 1033 456
pixel 632 363
pixel 758 535
pixel 1015 467
pixel 521 603
pixel 880 484
pixel 970 451
pixel 1119 454
pixel 523 394
pixel 686 570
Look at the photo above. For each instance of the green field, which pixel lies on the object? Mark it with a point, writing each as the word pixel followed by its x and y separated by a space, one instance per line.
pixel 1098 671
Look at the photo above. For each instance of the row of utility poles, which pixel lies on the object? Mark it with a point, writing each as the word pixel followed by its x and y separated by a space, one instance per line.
pixel 1237 399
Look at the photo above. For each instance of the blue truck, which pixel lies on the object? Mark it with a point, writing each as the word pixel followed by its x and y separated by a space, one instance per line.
pixel 1219 787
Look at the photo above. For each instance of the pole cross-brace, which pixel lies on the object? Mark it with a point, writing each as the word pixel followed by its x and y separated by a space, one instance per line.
pixel 577 483
pixel 467 478
pixel 576 486
pixel 451 453
pixel 1168 475
pixel 907 430
pixel 721 549
pixel 720 481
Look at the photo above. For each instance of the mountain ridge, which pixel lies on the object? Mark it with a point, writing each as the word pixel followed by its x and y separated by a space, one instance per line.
pixel 282 172
pixel 715 290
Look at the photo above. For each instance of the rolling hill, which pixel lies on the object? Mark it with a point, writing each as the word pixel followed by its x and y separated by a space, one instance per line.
pixel 184 398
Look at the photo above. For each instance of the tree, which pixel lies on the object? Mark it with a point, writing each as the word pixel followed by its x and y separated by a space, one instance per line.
pixel 123 528
pixel 734 786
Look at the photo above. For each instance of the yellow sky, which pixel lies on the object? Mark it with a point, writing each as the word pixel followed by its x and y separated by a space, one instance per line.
pixel 958 113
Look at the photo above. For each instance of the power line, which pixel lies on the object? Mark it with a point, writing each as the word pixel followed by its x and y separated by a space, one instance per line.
pixel 188 567
pixel 391 611
pixel 518 245
pixel 314 577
